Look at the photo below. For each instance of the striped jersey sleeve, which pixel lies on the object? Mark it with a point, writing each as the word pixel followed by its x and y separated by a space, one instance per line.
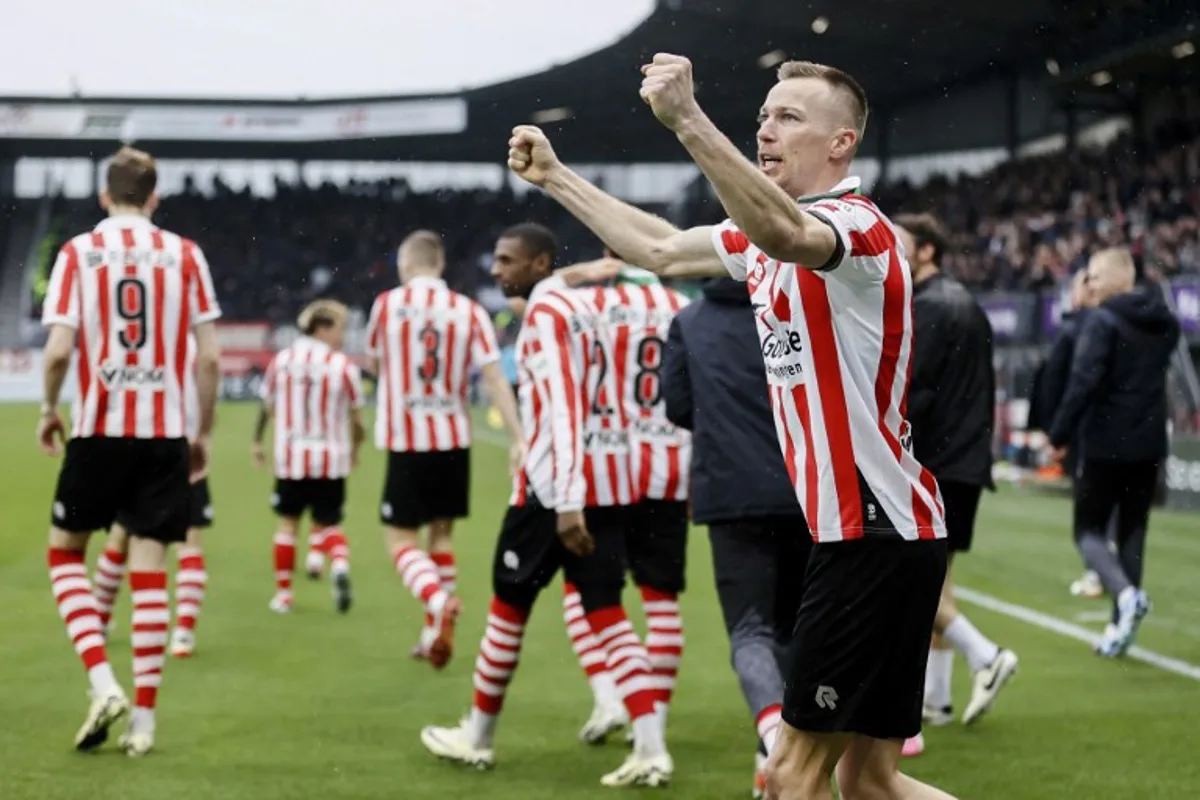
pixel 731 246
pixel 61 304
pixel 553 365
pixel 484 349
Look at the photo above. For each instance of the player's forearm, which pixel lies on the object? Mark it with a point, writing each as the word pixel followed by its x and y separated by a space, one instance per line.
pixel 54 374
pixel 260 424
pixel 208 378
pixel 627 230
pixel 764 212
pixel 501 394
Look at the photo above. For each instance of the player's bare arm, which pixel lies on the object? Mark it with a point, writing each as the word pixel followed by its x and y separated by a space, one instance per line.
pixel 501 393
pixel 208 376
pixel 358 434
pixel 260 431
pixel 56 361
pixel 762 210
pixel 646 240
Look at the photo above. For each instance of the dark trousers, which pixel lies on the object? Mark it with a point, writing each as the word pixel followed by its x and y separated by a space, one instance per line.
pixel 1122 492
pixel 759 567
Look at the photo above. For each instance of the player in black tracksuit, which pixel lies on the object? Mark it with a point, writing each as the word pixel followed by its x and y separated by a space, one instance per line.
pixel 951 407
pixel 1116 404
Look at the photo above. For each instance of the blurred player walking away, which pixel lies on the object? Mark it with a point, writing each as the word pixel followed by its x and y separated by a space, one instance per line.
pixel 951 407
pixel 566 511
pixel 637 311
pixel 191 576
pixel 121 301
pixel 831 293
pixel 424 339
pixel 714 386
pixel 1115 406
pixel 314 393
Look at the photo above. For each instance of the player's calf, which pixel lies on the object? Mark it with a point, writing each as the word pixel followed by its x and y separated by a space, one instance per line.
pixel 608 712
pixel 285 566
pixel 191 582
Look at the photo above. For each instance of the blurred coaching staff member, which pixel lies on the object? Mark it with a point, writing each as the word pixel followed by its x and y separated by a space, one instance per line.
pixel 714 386
pixel 951 408
pixel 1115 407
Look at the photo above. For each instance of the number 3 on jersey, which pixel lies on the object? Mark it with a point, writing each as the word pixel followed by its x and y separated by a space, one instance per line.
pixel 131 307
pixel 431 345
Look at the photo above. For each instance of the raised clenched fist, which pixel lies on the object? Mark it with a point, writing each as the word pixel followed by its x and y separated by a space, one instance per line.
pixel 530 155
pixel 667 88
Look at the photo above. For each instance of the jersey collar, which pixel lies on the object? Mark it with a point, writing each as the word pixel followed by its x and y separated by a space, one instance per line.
pixel 424 280
pixel 118 221
pixel 846 186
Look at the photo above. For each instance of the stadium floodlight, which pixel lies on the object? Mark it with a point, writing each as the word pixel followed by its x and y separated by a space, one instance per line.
pixel 820 25
pixel 1052 67
pixel 1101 78
pixel 551 115
pixel 772 59
pixel 1183 50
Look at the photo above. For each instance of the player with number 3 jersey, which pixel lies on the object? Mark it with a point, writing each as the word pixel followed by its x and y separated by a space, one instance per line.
pixel 425 339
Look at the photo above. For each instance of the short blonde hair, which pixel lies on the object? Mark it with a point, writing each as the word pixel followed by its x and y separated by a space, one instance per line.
pixel 840 81
pixel 321 314
pixel 423 249
pixel 1117 258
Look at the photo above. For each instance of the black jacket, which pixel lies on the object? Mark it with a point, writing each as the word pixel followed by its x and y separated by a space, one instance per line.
pixel 952 391
pixel 1050 381
pixel 714 384
pixel 1117 393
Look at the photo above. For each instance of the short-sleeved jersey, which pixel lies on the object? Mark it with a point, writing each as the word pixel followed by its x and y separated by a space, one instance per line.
pixel 426 338
pixel 310 388
pixel 576 432
pixel 638 317
pixel 132 291
pixel 837 346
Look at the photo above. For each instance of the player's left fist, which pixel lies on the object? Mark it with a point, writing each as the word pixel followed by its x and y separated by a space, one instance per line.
pixel 667 88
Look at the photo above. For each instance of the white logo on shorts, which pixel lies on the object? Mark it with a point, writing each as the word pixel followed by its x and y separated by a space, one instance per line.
pixel 208 512
pixel 872 513
pixel 386 510
pixel 274 500
pixel 60 511
pixel 511 559
pixel 826 698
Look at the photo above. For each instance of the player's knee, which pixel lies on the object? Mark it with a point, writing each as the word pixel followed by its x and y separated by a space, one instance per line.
pixel 517 596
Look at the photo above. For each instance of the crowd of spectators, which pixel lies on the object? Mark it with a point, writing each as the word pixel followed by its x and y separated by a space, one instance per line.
pixel 1025 225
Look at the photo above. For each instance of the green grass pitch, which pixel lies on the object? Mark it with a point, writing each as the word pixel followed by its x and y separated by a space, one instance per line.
pixel 324 706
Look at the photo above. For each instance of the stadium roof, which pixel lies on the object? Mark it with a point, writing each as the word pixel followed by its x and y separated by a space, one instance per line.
pixel 902 51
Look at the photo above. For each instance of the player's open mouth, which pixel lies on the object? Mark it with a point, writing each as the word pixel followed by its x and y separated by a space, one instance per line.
pixel 768 163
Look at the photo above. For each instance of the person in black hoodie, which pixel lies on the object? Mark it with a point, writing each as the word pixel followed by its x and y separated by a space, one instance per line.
pixel 714 385
pixel 951 408
pixel 1116 403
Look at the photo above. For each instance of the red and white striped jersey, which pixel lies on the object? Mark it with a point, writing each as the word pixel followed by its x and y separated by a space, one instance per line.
pixel 574 421
pixel 637 318
pixel 133 292
pixel 426 338
pixel 837 346
pixel 310 388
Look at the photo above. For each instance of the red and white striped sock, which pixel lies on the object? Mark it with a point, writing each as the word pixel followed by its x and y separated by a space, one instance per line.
pixel 629 665
pixel 664 640
pixel 499 653
pixel 334 543
pixel 151 618
pixel 317 541
pixel 447 570
pixel 420 575
pixel 77 607
pixel 191 580
pixel 110 572
pixel 767 723
pixel 285 562
pixel 593 658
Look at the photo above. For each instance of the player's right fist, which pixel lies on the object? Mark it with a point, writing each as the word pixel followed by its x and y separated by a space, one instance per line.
pixel 573 532
pixel 530 155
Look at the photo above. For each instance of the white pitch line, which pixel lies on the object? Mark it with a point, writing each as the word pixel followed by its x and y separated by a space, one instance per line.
pixel 1022 613
pixel 1072 631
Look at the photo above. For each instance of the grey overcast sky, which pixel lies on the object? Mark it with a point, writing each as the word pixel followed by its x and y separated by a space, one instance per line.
pixel 288 48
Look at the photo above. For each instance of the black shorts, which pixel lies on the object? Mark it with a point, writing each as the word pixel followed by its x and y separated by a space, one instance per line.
pixel 324 498
pixel 529 554
pixel 656 544
pixel 200 510
pixel 857 661
pixel 422 487
pixel 140 483
pixel 961 503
